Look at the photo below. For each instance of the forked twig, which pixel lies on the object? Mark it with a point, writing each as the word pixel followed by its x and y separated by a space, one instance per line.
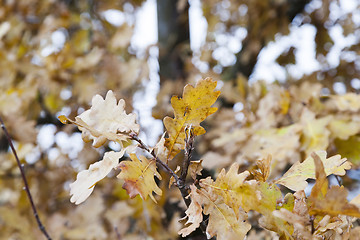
pixel 27 189
pixel 180 184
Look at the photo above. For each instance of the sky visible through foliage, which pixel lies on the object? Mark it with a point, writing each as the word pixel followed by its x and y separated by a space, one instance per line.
pixel 192 120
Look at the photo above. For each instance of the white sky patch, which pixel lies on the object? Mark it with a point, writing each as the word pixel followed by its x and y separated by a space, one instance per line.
pixel 70 145
pixel 302 38
pixel 45 137
pixel 198 26
pixel 58 39
pixel 349 6
pixel 114 17
pixel 145 100
pixel 145 26
pixel 340 42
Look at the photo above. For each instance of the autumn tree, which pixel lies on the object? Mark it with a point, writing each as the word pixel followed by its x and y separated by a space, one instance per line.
pixel 238 156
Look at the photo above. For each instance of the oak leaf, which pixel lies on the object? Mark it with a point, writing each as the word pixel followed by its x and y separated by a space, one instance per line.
pixel 295 178
pixel 315 133
pixel 105 120
pixel 349 148
pixel 87 179
pixel 193 213
pixel 347 102
pixel 227 185
pixel 138 176
pixel 189 111
pixel 324 201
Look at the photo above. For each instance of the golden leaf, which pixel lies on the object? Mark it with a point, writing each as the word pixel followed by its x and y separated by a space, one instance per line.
pixel 324 201
pixel 189 111
pixel 138 175
pixel 295 177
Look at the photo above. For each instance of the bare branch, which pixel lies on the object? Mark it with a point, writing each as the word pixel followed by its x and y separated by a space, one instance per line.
pixel 27 189
pixel 189 142
pixel 179 182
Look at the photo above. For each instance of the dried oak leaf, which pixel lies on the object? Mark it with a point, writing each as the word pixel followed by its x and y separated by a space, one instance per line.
pixel 106 119
pixel 193 213
pixel 263 198
pixel 190 110
pixel 87 179
pixel 324 201
pixel 347 102
pixel 262 170
pixel 295 177
pixel 138 175
pixel 226 185
pixel 226 218
pixel 195 168
pixel 315 133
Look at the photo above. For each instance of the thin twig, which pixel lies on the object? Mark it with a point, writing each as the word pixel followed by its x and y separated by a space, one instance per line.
pixel 27 189
pixel 180 184
pixel 118 236
pixel 179 181
pixel 188 149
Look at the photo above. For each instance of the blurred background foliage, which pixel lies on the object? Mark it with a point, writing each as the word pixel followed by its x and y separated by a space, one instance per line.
pixel 56 55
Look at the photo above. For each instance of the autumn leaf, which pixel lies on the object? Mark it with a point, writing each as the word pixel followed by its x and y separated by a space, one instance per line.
pixel 226 185
pixel 105 120
pixel 347 102
pixel 315 133
pixel 264 198
pixel 262 170
pixel 138 176
pixel 193 213
pixel 349 148
pixel 87 179
pixel 333 201
pixel 295 178
pixel 223 222
pixel 189 111
pixel 195 168
pixel 343 129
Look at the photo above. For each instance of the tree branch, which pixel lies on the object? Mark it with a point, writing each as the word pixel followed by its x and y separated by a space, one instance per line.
pixel 189 142
pixel 179 182
pixel 27 189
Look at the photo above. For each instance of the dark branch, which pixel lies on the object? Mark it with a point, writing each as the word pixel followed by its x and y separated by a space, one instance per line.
pixel 27 189
pixel 179 183
pixel 189 142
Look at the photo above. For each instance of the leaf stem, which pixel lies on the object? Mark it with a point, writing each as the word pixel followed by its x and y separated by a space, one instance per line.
pixel 179 182
pixel 27 189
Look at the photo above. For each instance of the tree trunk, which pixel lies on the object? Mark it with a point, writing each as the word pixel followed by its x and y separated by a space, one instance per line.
pixel 174 38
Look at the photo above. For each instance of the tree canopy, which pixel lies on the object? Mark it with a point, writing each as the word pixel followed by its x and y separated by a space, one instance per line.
pixel 261 120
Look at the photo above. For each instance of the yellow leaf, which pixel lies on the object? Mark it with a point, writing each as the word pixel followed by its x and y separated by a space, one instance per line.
pixel 295 177
pixel 315 134
pixel 189 111
pixel 226 185
pixel 324 201
pixel 223 222
pixel 343 129
pixel 349 148
pixel 138 175
pixel 264 198
pixel 347 102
